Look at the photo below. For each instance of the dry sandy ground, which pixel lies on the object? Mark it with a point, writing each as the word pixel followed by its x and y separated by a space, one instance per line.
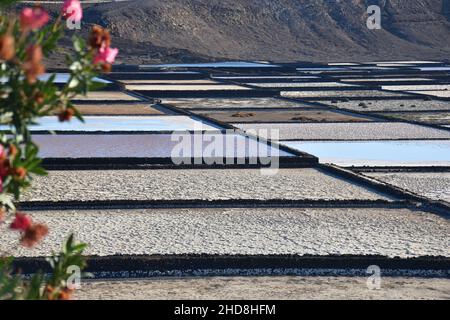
pixel 426 117
pixel 340 94
pixel 121 109
pixel 233 103
pixel 261 288
pixel 106 96
pixel 276 115
pixel 391 105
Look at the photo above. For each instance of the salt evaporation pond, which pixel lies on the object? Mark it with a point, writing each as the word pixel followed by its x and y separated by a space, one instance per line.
pixel 176 146
pixel 378 153
pixel 123 123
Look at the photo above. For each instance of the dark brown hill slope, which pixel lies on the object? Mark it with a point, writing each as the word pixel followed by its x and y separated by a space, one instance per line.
pixel 279 30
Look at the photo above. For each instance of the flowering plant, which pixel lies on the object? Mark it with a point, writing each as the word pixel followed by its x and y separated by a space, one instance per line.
pixel 26 94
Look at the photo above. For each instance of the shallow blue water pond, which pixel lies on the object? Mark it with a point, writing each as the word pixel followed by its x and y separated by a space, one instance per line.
pixel 378 153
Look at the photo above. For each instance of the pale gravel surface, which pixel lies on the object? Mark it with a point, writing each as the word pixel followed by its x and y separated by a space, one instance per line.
pixel 245 231
pixel 392 105
pixel 435 93
pixel 425 117
pixel 369 79
pixel 250 78
pixel 175 87
pixel 168 82
pixel 235 103
pixel 417 87
pixel 193 184
pixel 340 94
pixel 301 84
pixel 434 185
pixel 350 131
pixel 265 288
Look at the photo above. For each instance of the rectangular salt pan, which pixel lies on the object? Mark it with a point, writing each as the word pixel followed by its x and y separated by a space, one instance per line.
pixel 130 109
pixel 197 184
pixel 406 62
pixel 434 69
pixel 438 94
pixel 177 145
pixel 365 68
pixel 263 77
pixel 301 84
pixel 425 117
pixel 434 185
pixel 349 131
pixel 158 73
pixel 321 69
pixel 198 87
pixel 64 77
pixel 107 96
pixel 342 64
pixel 392 105
pixel 61 78
pixel 228 64
pixel 122 123
pixel 340 94
pixel 386 80
pixel 280 115
pixel 378 153
pixel 214 103
pixel 399 232
pixel 435 87
pixel 169 82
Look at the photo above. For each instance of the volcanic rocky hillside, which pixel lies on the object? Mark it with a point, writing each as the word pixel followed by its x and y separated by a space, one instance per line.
pixel 278 30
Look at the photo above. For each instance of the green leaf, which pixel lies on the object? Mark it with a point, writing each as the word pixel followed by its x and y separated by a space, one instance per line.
pixel 39 171
pixel 78 44
pixel 95 86
pixel 5 3
pixel 34 290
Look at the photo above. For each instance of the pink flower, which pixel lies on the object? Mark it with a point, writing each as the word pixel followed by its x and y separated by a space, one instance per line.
pixel 33 18
pixel 72 9
pixel 22 222
pixel 33 235
pixel 106 55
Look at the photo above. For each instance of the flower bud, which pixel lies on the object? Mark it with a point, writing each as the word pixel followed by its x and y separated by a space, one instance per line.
pixel 7 47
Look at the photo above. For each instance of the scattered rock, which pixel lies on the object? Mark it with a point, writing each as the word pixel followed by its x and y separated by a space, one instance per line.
pixel 243 115
pixel 363 105
pixel 305 119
